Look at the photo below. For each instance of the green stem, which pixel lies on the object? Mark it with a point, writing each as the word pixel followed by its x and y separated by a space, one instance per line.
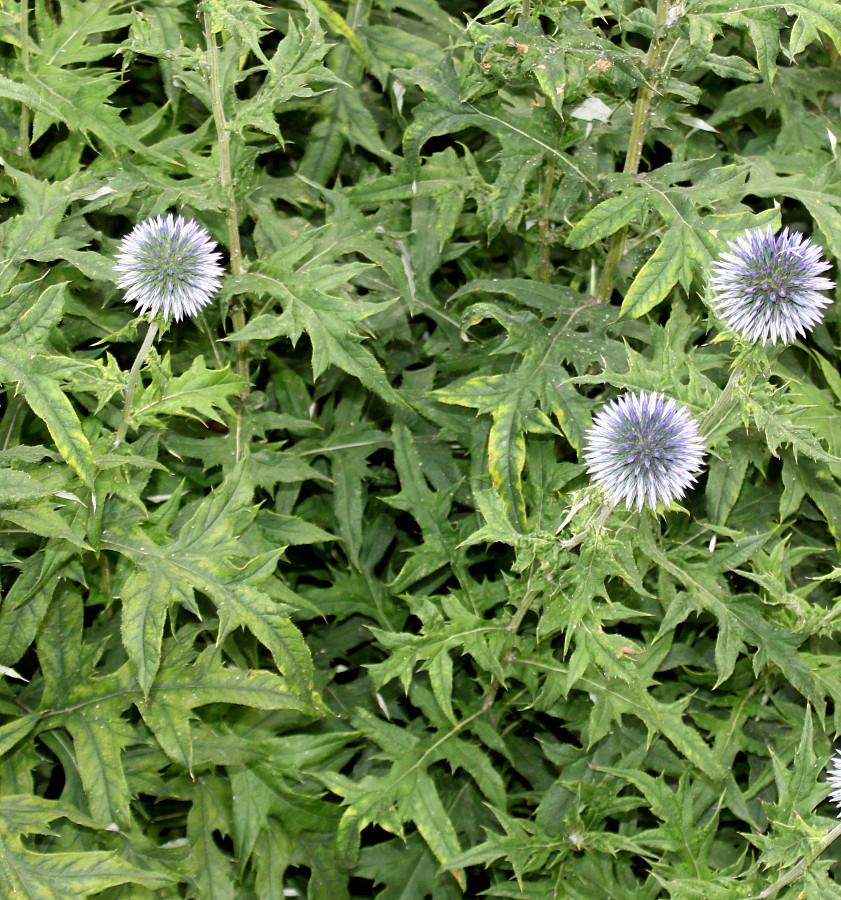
pixel 14 404
pixel 545 236
pixel 593 524
pixel 636 141
pixel 724 404
pixel 525 605
pixel 212 339
pixel 510 629
pixel 131 384
pixel 797 871
pixel 24 58
pixel 223 139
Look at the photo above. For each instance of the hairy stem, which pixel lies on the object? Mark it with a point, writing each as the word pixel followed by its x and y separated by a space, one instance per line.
pixel 214 349
pixel 800 869
pixel 724 404
pixel 633 154
pixel 226 178
pixel 525 604
pixel 24 58
pixel 14 404
pixel 131 384
pixel 545 235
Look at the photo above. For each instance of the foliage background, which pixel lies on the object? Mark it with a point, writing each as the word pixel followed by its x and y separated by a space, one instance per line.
pixel 353 632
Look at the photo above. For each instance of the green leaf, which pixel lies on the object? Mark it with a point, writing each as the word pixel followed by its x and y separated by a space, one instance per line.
pixel 781 428
pixel 35 377
pixel 18 728
pixel 821 14
pixel 199 393
pixel 99 740
pixel 80 102
pixel 16 486
pixel 330 323
pixel 430 509
pixel 657 277
pixel 434 824
pixel 290 530
pixel 208 814
pixel 294 67
pixel 606 218
pixel 202 558
pixel 68 876
pixel 44 521
pixel 31 324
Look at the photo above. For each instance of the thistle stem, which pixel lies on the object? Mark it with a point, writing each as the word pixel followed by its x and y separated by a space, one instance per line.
pixel 24 58
pixel 545 235
pixel 131 384
pixel 524 606
pixel 593 524
pixel 14 404
pixel 226 178
pixel 724 404
pixel 635 144
pixel 797 871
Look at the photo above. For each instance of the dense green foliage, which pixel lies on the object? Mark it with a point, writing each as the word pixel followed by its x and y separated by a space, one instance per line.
pixel 343 617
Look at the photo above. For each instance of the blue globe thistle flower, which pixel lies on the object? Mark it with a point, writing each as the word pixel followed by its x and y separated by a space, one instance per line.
pixel 767 287
pixel 169 266
pixel 643 449
pixel 834 779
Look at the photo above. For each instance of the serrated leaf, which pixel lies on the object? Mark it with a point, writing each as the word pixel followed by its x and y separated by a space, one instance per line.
pixel 67 876
pixel 199 393
pixel 80 102
pixel 214 874
pixel 98 741
pixel 43 521
pixel 657 277
pixel 16 486
pixel 199 558
pixel 18 728
pixel 43 313
pixel 780 428
pixel 290 530
pixel 605 219
pixel 330 323
pixel 35 379
pixel 434 824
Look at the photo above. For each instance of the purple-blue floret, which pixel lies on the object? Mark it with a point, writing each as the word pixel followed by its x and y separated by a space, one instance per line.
pixel 766 288
pixel 643 449
pixel 170 266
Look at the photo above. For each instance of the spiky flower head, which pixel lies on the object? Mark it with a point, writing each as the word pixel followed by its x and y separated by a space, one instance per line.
pixel 643 449
pixel 169 265
pixel 766 287
pixel 834 779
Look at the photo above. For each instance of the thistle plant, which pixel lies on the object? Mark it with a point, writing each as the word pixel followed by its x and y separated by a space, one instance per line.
pixel 767 288
pixel 799 870
pixel 381 567
pixel 643 449
pixel 834 779
pixel 169 268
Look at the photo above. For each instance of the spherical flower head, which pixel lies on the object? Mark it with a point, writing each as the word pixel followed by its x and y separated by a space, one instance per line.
pixel 766 288
pixel 834 779
pixel 643 449
pixel 169 265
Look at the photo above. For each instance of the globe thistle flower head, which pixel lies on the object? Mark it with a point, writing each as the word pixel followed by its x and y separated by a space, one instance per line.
pixel 643 449
pixel 834 779
pixel 168 265
pixel 766 288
